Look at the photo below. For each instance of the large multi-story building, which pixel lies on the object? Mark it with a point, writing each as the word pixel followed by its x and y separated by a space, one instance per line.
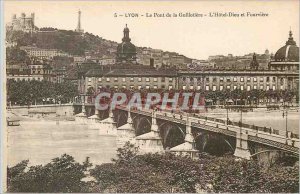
pixel 131 78
pixel 42 53
pixel 282 74
pixel 36 70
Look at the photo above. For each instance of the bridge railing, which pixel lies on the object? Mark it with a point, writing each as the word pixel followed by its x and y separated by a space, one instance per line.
pixel 178 118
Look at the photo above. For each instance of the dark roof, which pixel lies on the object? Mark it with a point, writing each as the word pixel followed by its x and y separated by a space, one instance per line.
pixel 289 52
pixel 130 72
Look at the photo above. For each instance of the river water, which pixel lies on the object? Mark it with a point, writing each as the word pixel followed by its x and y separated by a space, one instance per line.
pixel 41 141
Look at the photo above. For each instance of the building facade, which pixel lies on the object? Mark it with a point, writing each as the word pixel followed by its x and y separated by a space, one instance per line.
pixel 42 53
pixel 231 80
pixel 282 74
pixel 133 79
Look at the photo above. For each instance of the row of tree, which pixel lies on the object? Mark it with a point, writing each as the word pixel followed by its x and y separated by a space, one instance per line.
pixel 252 95
pixel 132 173
pixel 39 92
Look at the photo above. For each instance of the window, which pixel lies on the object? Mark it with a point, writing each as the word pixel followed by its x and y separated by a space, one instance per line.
pixel 99 79
pixel 268 87
pixel 274 79
pixel 170 79
pixel 207 79
pixel 163 79
pixel 248 88
pixel 261 87
pixel 147 87
pixel 116 79
pixel 255 79
pixel 281 81
pixel 268 79
pixel 234 87
pixel 139 87
pixel 124 79
pixel 242 87
pixel 214 88
pixel 248 79
pixel 255 87
pixel 90 79
pixel 228 87
pixel 274 87
pixel 242 79
pixel 261 79
pixel 155 87
pixel 155 79
pixel 163 86
pixel 124 86
pixel 107 79
pixel 198 87
pixel 116 87
pixel 206 88
pixel 170 87
pixel 183 87
pixel 131 86
pixel 221 79
pixel 234 79
pixel 191 87
pixel 281 87
pixel 221 88
pixel 214 79
pixel 139 79
pixel 147 79
pixel 198 78
pixel 131 79
pixel 228 79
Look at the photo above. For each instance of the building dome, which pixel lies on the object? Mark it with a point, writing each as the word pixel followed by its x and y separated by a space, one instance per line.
pixel 126 50
pixel 289 52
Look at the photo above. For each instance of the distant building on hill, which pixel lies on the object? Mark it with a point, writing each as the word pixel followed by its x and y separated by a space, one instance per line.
pixel 23 23
pixel 42 53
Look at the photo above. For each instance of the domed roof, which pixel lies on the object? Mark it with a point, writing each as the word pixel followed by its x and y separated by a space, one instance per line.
pixel 289 52
pixel 126 47
pixel 126 50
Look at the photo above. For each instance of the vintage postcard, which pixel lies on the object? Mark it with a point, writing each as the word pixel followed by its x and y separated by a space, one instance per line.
pixel 150 96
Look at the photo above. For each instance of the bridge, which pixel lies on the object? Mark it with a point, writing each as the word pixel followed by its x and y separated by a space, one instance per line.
pixel 189 133
pixel 181 133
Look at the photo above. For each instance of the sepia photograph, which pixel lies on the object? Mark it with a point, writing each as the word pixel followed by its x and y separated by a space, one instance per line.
pixel 150 96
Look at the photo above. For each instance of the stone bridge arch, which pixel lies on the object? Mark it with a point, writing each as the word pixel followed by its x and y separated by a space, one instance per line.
pixel 142 124
pixel 214 143
pixel 268 155
pixel 121 117
pixel 172 134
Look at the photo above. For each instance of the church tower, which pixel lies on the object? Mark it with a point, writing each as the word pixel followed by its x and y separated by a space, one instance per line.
pixel 126 51
pixel 78 29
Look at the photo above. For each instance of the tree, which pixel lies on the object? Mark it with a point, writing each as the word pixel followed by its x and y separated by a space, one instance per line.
pixel 63 174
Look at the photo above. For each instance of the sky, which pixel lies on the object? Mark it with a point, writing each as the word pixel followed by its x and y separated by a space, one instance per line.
pixel 195 37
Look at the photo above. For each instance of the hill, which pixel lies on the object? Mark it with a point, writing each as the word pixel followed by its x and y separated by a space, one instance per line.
pixel 68 41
